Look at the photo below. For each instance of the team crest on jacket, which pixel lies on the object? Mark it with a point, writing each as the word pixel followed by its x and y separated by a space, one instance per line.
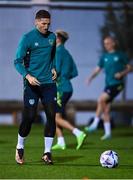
pixel 116 58
pixel 51 42
pixel 36 44
pixel 32 101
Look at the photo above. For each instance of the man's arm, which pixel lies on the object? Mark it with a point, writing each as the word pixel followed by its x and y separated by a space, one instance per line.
pixel 74 72
pixel 58 62
pixel 123 73
pixel 32 80
pixel 54 73
pixel 20 54
pixel 19 61
pixel 94 73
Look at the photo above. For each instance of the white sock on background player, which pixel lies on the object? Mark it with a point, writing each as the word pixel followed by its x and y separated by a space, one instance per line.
pixel 61 141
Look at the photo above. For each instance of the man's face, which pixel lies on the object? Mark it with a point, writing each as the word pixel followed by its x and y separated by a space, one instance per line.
pixel 42 25
pixel 109 44
pixel 58 39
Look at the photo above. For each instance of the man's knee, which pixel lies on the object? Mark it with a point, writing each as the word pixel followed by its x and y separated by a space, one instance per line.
pixel 107 110
pixel 29 114
pixel 101 101
pixel 27 120
pixel 50 123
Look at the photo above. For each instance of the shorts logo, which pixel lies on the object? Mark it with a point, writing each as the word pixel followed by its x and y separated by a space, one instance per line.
pixel 32 101
pixel 51 41
pixel 119 88
pixel 36 44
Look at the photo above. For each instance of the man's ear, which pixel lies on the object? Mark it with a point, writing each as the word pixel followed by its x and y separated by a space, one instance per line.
pixel 36 22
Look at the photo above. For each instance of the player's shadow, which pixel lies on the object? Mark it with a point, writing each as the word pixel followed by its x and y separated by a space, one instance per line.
pixel 58 160
pixel 62 159
pixel 125 166
pixel 74 145
pixel 4 142
pixel 76 164
pixel 84 146
pixel 126 134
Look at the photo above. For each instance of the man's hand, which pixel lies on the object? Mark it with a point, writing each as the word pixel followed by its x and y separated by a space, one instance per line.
pixel 118 75
pixel 88 81
pixel 123 73
pixel 32 80
pixel 54 74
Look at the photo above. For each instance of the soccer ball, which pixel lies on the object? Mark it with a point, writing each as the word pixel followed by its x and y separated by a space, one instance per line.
pixel 109 159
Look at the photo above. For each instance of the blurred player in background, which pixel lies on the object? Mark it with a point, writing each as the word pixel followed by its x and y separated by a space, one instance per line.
pixel 66 70
pixel 34 61
pixel 116 67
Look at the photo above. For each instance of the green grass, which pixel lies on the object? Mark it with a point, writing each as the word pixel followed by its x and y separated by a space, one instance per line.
pixel 70 163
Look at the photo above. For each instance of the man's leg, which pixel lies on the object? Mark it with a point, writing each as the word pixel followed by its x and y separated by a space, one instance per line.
pixel 111 92
pixel 99 110
pixel 62 99
pixel 106 123
pixel 48 98
pixel 80 135
pixel 24 129
pixel 60 139
pixel 28 116
pixel 101 104
pixel 49 132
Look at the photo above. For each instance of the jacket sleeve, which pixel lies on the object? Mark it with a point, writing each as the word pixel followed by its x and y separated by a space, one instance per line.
pixel 101 62
pixel 125 58
pixel 58 62
pixel 74 71
pixel 20 54
pixel 53 55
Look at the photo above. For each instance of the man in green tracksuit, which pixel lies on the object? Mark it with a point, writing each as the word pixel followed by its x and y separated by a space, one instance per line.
pixel 66 70
pixel 34 61
pixel 116 67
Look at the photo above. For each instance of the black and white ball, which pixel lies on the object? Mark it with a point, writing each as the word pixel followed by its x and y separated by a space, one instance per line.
pixel 109 159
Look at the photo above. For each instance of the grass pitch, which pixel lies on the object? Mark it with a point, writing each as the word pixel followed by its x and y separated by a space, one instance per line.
pixel 69 163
